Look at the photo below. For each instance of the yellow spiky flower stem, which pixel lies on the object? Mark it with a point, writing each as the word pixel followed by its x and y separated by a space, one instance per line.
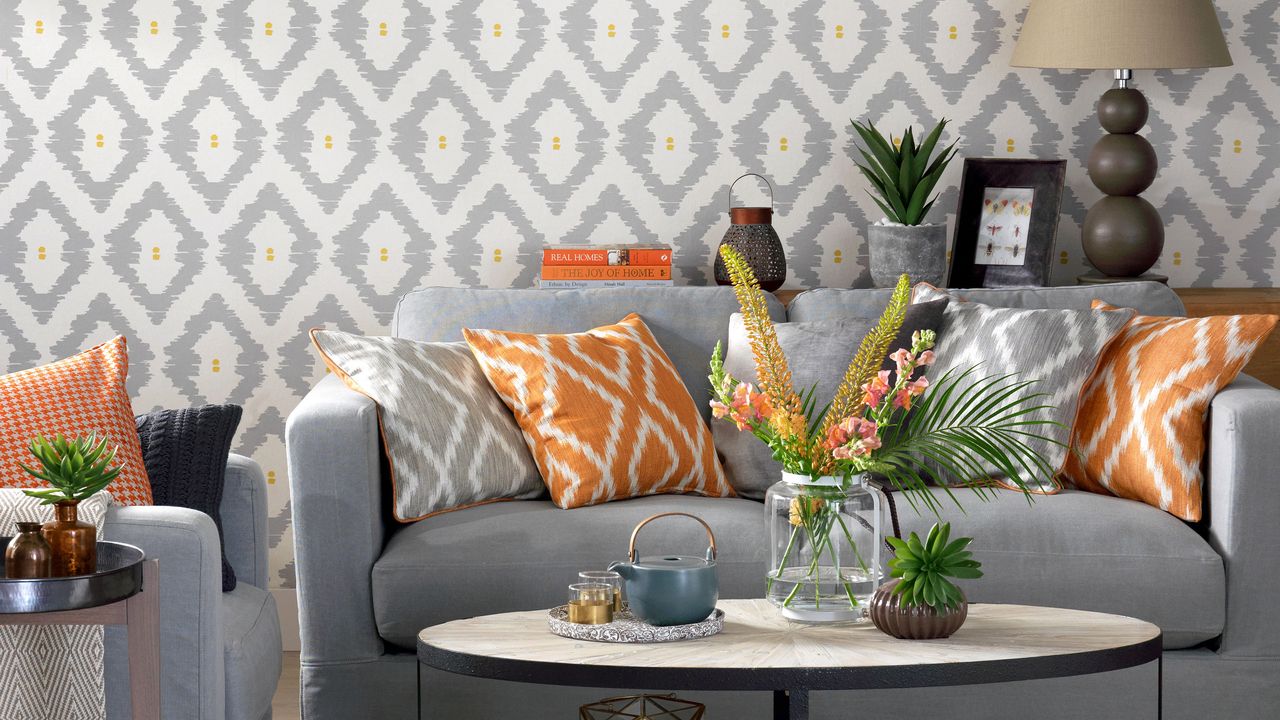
pixel 866 362
pixel 772 371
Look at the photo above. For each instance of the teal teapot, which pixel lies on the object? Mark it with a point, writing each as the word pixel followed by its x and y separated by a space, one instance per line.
pixel 670 589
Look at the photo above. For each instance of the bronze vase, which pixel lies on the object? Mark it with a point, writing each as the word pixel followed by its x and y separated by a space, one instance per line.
pixel 74 543
pixel 751 233
pixel 913 622
pixel 28 555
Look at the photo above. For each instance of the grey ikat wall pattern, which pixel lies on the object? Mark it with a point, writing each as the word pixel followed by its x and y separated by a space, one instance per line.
pixel 213 178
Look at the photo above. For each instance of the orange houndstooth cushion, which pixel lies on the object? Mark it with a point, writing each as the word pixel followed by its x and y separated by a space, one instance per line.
pixel 1139 433
pixel 604 413
pixel 82 394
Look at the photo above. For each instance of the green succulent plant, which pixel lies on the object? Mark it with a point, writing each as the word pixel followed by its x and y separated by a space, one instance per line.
pixel 904 175
pixel 923 568
pixel 74 468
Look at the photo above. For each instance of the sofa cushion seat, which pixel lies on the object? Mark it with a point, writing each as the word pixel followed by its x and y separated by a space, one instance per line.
pixel 251 646
pixel 1089 552
pixel 1075 549
pixel 523 554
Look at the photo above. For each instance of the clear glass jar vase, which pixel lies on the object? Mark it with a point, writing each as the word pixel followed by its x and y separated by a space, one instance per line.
pixel 826 543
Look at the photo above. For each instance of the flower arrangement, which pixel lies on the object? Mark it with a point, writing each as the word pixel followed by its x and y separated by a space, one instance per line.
pixel 896 423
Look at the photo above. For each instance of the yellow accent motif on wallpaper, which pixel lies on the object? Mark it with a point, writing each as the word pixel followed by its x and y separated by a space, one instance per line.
pixel 724 31
pixel 839 32
pixel 497 29
pixel 268 29
pixel 837 257
pixel 382 29
pixel 155 28
pixel 953 33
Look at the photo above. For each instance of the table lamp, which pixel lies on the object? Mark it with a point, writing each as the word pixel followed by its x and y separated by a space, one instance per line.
pixel 1123 234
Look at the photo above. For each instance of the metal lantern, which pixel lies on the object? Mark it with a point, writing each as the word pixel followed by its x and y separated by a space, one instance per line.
pixel 751 233
pixel 642 707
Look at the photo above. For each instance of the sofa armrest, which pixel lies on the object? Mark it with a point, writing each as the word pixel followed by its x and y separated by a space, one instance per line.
pixel 244 520
pixel 185 542
pixel 1243 504
pixel 335 483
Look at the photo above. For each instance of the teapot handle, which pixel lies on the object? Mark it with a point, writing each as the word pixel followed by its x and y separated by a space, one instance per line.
pixel 711 538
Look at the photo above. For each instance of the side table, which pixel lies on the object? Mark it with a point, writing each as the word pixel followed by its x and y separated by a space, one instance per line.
pixel 124 591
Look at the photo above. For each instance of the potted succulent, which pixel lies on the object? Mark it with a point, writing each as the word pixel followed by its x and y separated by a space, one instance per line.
pixel 904 176
pixel 921 602
pixel 75 469
pixel 826 519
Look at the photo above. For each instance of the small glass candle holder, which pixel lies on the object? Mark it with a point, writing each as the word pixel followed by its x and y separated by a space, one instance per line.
pixel 605 577
pixel 591 603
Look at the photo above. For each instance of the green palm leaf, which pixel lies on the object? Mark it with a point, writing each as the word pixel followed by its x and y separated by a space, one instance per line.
pixel 969 428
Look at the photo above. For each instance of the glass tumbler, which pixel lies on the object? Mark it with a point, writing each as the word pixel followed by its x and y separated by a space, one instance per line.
pixel 605 577
pixel 591 603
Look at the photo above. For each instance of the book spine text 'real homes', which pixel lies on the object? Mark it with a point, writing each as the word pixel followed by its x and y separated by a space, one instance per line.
pixel 587 255
pixel 591 284
pixel 606 272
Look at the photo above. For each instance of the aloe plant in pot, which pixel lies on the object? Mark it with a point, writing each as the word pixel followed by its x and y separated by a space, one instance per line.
pixel 904 177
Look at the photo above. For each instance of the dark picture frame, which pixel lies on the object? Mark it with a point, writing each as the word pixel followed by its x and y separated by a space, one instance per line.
pixel 998 198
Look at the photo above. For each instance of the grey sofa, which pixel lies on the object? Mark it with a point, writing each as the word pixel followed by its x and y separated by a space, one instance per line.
pixel 219 652
pixel 367 584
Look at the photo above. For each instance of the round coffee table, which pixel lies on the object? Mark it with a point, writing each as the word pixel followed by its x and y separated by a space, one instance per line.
pixel 760 650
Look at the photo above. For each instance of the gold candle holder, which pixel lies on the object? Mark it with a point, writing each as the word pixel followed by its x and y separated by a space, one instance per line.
pixel 591 603
pixel 605 577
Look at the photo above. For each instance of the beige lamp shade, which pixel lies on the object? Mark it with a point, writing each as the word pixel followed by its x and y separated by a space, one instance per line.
pixel 1114 34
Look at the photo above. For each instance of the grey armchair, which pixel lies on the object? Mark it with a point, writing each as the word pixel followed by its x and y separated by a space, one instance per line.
pixel 219 652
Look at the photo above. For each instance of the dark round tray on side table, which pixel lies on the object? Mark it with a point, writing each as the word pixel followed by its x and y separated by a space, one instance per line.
pixel 119 577
pixel 122 592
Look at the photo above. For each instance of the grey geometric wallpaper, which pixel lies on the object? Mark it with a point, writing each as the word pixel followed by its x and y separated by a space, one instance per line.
pixel 213 178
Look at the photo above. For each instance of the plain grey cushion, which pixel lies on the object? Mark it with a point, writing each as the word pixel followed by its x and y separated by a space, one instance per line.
pixel 522 555
pixel 251 645
pixel 1064 551
pixel 1147 298
pixel 686 321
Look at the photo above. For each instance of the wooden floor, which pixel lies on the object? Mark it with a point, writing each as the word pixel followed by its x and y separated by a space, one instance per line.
pixel 284 706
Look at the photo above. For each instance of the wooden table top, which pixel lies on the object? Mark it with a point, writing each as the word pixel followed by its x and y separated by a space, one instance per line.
pixel 997 643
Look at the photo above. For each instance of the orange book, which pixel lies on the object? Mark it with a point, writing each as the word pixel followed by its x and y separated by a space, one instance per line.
pixel 606 272
pixel 595 255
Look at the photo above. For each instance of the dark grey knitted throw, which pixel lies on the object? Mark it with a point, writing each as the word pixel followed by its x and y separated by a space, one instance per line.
pixel 185 454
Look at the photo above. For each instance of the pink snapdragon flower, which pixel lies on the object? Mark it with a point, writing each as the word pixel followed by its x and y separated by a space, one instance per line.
pixel 911 390
pixel 905 360
pixel 853 437
pixel 874 391
pixel 746 408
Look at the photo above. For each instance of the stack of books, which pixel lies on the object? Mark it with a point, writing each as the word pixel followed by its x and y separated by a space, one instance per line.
pixel 566 267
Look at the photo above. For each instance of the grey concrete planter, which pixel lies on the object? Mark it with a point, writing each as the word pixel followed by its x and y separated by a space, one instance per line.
pixel 917 250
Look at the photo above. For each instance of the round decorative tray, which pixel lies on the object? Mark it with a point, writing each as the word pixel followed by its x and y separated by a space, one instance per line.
pixel 627 628
pixel 119 576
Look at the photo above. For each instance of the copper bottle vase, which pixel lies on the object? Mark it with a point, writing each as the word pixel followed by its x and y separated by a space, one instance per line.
pixel 28 555
pixel 74 543
pixel 913 622
pixel 751 233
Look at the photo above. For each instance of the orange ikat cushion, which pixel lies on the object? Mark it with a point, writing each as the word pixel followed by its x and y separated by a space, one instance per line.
pixel 604 413
pixel 1139 433
pixel 76 396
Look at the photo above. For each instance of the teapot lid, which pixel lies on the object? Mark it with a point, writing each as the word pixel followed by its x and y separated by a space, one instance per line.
pixel 673 562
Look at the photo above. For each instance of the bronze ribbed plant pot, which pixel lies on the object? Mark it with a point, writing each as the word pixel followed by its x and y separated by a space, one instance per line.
pixel 28 555
pixel 913 622
pixel 74 543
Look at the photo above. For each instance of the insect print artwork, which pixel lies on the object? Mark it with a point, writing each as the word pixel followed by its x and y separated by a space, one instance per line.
pixel 1006 219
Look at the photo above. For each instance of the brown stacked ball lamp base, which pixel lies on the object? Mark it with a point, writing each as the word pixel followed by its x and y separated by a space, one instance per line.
pixel 1123 234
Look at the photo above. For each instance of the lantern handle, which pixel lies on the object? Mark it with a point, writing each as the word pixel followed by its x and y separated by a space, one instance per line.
pixel 751 174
